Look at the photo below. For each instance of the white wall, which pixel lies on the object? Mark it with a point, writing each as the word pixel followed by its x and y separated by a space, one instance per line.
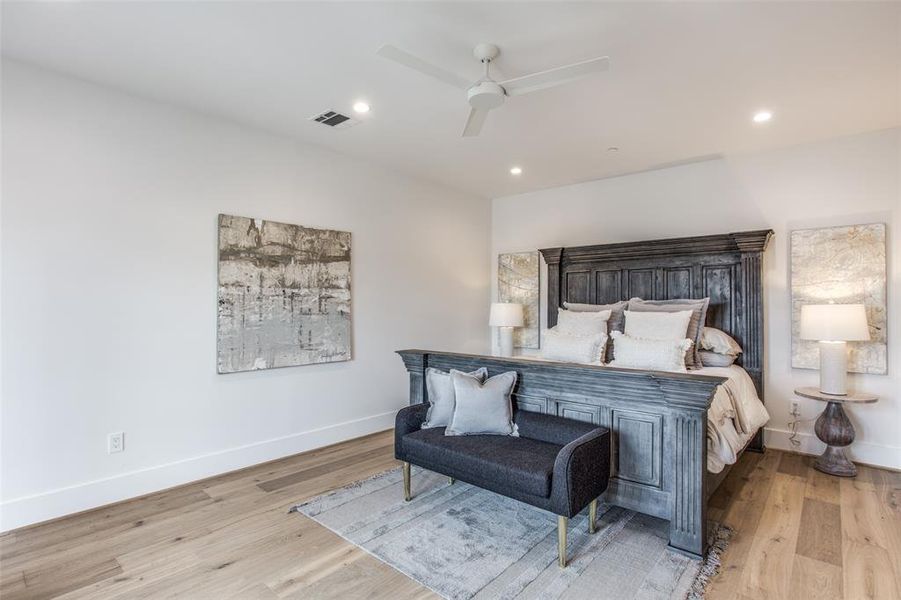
pixel 109 293
pixel 843 181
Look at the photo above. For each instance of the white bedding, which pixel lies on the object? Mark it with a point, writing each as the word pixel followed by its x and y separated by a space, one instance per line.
pixel 735 415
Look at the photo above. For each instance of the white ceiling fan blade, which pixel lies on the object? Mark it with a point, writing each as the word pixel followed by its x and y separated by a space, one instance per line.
pixel 474 122
pixel 414 62
pixel 551 77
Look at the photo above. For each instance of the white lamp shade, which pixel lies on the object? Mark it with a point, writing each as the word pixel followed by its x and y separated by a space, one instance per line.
pixel 505 314
pixel 834 322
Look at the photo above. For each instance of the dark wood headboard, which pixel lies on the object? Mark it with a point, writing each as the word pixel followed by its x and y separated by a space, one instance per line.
pixel 727 268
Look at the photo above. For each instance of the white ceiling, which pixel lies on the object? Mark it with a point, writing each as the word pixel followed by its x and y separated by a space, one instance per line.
pixel 685 78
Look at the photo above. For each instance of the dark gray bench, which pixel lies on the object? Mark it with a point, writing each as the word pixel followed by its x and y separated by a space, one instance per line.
pixel 559 465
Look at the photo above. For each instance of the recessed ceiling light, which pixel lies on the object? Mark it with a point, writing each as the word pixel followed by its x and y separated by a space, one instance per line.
pixel 762 116
pixel 361 107
pixel 612 149
pixel 515 170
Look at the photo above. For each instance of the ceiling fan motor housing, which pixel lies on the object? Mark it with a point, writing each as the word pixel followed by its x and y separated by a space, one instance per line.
pixel 486 95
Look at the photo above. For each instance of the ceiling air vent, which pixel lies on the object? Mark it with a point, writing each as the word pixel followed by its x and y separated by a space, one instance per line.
pixel 334 119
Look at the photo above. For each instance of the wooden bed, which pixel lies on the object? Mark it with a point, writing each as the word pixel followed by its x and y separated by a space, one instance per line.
pixel 658 419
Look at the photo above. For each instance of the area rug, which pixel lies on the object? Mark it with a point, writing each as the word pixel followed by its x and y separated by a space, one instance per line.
pixel 463 542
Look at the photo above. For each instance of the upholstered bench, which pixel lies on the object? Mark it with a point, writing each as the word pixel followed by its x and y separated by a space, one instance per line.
pixel 556 464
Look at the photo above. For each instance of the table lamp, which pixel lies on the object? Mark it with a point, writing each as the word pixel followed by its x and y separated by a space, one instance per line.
pixel 505 316
pixel 832 325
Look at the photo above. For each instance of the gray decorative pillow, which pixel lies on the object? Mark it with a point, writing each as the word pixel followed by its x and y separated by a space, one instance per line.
pixel 483 408
pixel 616 322
pixel 695 325
pixel 716 359
pixel 717 340
pixel 441 395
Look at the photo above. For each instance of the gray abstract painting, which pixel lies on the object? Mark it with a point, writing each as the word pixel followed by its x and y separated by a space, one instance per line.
pixel 845 265
pixel 284 295
pixel 517 282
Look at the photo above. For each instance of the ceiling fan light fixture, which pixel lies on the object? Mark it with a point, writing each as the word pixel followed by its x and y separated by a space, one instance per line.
pixel 487 94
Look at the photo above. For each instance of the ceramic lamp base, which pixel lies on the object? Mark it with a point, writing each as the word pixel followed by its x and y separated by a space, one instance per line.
pixel 834 368
pixel 505 341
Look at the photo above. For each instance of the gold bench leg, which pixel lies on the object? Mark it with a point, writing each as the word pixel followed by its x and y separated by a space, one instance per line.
pixel 561 540
pixel 452 480
pixel 407 496
pixel 592 516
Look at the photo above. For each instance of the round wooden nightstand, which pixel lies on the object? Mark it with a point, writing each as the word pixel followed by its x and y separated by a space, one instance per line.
pixel 835 430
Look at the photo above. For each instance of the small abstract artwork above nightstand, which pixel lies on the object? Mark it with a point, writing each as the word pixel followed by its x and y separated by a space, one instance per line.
pixel 517 282
pixel 845 265
pixel 284 295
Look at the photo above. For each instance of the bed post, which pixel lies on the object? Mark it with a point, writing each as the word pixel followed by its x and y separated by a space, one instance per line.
pixel 752 245
pixel 687 436
pixel 416 362
pixel 552 257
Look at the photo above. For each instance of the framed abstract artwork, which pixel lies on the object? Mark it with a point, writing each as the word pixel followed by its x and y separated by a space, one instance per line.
pixel 845 265
pixel 283 295
pixel 517 282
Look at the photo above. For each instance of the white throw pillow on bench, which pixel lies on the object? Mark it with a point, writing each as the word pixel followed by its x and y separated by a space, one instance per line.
pixel 441 395
pixel 483 408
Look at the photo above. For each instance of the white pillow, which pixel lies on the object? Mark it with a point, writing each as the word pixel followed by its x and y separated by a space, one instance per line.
pixel 717 340
pixel 657 325
pixel 559 345
pixel 582 323
pixel 441 396
pixel 483 408
pixel 658 355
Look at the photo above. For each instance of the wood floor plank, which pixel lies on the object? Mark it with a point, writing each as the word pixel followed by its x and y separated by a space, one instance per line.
pixel 820 533
pixel 744 516
pixel 51 581
pixel 62 534
pixel 793 464
pixel 767 572
pixel 231 483
pixel 821 486
pixel 12 583
pixel 254 591
pixel 871 543
pixel 867 572
pixel 317 471
pixel 887 485
pixel 815 580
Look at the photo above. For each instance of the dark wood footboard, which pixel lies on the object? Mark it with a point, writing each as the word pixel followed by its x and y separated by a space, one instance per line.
pixel 658 420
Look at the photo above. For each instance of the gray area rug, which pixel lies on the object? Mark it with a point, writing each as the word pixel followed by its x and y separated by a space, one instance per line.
pixel 463 542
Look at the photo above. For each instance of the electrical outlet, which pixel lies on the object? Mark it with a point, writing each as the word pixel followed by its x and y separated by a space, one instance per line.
pixel 796 410
pixel 115 442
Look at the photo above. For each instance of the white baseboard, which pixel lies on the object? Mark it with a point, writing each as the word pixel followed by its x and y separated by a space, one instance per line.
pixel 35 508
pixel 860 451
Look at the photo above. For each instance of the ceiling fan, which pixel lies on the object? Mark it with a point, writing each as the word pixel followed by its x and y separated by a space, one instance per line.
pixel 486 93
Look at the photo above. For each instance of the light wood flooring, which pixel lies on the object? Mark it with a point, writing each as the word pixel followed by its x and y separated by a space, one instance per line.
pixel 799 534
